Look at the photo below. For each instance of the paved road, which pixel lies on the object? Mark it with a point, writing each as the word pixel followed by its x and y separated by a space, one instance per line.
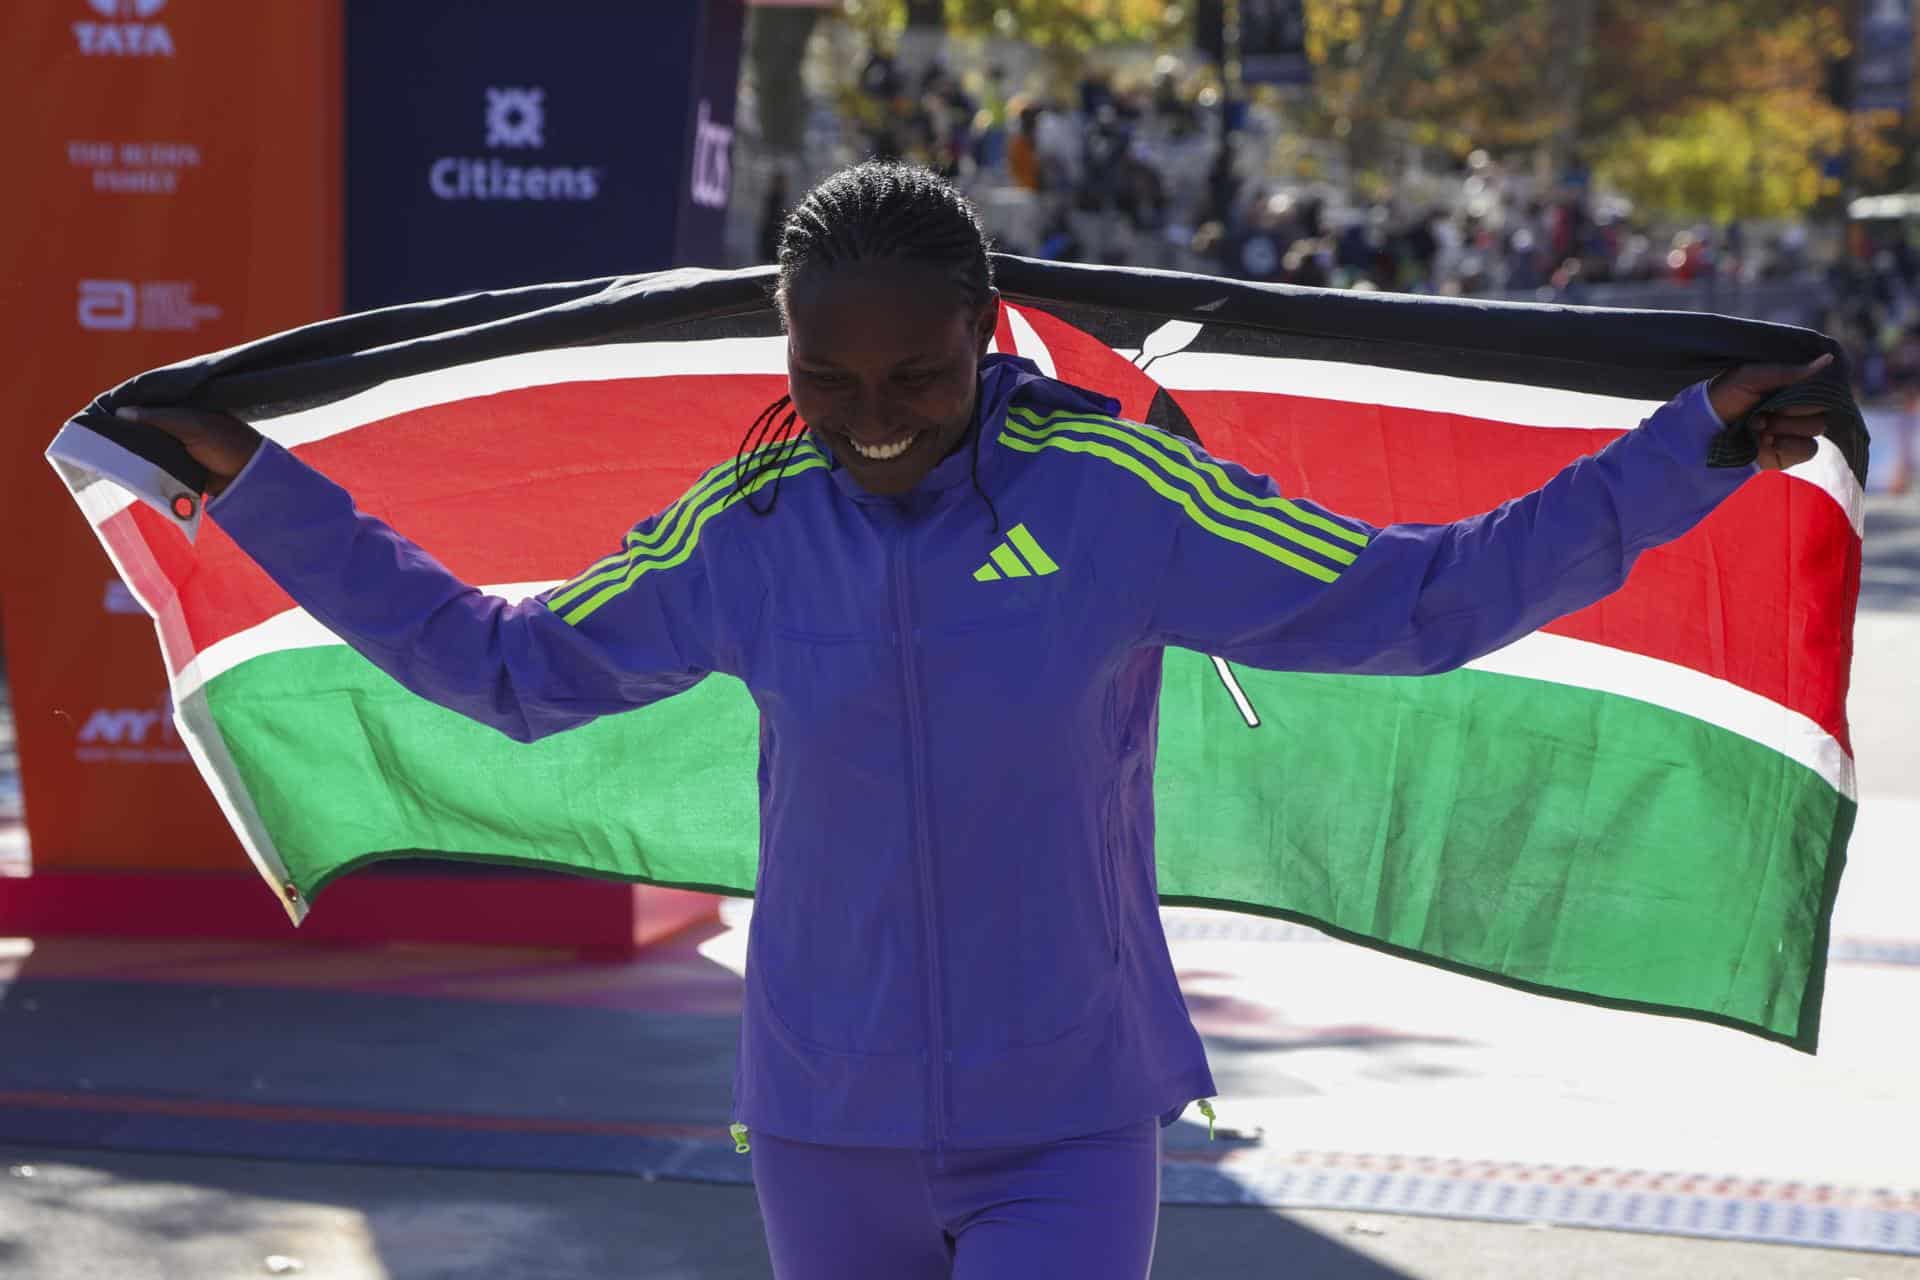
pixel 131 1217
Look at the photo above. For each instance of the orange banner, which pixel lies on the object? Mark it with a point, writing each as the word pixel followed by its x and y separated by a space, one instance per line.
pixel 177 190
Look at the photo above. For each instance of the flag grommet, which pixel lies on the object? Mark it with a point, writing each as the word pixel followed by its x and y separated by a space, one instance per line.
pixel 183 506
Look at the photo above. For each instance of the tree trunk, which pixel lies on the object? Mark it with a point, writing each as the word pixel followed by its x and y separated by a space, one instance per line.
pixel 924 43
pixel 1572 53
pixel 778 46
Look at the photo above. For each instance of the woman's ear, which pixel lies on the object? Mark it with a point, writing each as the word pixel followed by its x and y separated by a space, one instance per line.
pixel 988 321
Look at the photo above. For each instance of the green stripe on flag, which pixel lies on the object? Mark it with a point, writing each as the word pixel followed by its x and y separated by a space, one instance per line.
pixel 1558 838
pixel 1553 838
pixel 345 766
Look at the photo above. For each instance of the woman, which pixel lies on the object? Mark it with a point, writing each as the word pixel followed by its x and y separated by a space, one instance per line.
pixel 948 581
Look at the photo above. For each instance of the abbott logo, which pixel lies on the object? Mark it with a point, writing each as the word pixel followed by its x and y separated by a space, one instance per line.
pixel 516 120
pixel 107 305
pixel 158 306
pixel 125 33
pixel 712 169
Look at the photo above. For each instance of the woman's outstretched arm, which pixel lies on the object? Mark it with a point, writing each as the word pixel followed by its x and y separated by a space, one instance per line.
pixel 638 630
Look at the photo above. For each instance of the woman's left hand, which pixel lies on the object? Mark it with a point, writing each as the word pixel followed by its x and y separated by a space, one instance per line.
pixel 1786 439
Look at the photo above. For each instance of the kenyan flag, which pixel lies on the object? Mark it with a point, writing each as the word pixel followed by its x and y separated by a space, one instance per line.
pixel 1644 805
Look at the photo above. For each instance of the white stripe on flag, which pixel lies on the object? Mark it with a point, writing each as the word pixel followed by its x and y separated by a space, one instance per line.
pixel 1578 664
pixel 528 369
pixel 294 629
pixel 1582 664
pixel 1511 402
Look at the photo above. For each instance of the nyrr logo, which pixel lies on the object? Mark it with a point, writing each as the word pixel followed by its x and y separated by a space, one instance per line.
pixel 138 735
pixel 124 34
pixel 516 119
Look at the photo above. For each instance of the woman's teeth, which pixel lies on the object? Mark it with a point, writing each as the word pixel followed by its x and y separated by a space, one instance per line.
pixel 883 452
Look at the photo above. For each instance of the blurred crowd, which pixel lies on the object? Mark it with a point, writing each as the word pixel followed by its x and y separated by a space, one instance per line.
pixel 1875 315
pixel 1148 174
pixel 1156 170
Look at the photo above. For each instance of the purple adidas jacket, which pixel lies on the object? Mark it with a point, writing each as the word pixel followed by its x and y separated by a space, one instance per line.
pixel 956 940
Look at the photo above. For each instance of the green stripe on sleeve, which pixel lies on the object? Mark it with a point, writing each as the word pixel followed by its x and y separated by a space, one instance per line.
pixel 1167 443
pixel 1158 482
pixel 683 515
pixel 578 612
pixel 1155 455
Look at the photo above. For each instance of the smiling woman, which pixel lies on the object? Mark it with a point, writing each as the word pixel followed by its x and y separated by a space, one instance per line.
pixel 888 299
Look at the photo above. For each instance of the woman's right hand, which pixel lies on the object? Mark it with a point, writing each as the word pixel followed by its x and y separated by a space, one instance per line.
pixel 217 441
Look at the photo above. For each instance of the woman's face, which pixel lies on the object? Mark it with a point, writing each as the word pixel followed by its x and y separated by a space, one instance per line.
pixel 883 363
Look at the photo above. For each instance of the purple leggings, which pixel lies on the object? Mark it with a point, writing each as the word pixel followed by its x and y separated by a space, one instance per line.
pixel 1086 1206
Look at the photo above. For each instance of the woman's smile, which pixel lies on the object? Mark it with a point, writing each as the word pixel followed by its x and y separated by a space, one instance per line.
pixel 888 450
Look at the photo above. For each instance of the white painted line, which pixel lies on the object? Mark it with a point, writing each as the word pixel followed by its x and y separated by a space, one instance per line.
pixel 1681 1204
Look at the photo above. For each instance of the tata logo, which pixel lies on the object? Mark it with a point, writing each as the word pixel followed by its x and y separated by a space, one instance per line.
pixel 125 33
pixel 516 120
pixel 712 147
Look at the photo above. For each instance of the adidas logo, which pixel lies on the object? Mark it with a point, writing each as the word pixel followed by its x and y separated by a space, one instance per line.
pixel 1017 557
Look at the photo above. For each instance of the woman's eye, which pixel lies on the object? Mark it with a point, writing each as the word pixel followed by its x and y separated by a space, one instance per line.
pixel 828 379
pixel 918 378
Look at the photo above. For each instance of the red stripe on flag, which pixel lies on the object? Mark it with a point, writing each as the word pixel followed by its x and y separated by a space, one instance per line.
pixel 521 486
pixel 1759 594
pixel 600 456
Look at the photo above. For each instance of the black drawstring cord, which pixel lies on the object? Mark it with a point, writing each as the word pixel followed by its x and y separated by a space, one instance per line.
pixel 973 473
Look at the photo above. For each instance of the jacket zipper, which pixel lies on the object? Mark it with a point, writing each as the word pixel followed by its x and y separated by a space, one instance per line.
pixel 916 756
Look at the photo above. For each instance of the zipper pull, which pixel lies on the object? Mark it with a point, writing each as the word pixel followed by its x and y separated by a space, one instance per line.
pixel 1206 1109
pixel 739 1132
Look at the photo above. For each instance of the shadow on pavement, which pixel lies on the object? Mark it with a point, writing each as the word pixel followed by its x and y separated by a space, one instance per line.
pixel 1890 574
pixel 135 1215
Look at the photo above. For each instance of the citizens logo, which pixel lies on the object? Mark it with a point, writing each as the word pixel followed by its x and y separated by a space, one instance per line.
pixel 155 306
pixel 516 120
pixel 125 33
pixel 712 163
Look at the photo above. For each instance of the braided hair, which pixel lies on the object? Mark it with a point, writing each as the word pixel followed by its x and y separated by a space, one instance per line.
pixel 877 211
